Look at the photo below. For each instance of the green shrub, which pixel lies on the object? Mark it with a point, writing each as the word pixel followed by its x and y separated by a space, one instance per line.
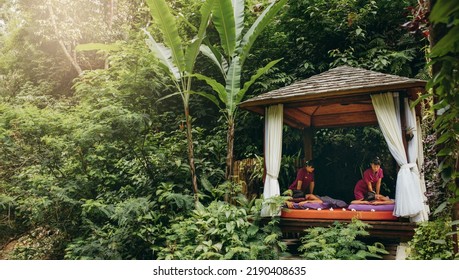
pixel 223 231
pixel 431 241
pixel 338 242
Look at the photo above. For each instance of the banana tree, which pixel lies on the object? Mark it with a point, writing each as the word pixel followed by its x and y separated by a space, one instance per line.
pixel 178 58
pixel 228 19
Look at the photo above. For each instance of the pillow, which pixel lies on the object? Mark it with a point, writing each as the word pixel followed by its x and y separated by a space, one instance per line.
pixel 335 203
pixel 308 205
pixel 369 207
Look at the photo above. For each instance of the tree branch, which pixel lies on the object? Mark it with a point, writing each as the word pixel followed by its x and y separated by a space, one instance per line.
pixel 61 42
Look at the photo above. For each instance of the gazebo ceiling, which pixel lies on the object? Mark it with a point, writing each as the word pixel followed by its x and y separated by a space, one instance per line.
pixel 335 98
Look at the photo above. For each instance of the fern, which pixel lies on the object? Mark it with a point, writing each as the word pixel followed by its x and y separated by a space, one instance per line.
pixel 339 242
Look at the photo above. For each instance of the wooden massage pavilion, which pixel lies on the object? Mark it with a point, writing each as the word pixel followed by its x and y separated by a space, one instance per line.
pixel 345 97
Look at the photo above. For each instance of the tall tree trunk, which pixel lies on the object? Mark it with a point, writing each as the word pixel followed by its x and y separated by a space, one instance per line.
pixel 455 216
pixel 111 16
pixel 71 58
pixel 189 137
pixel 437 31
pixel 230 149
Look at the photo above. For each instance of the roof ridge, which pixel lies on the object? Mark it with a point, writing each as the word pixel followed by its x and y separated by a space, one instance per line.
pixel 340 79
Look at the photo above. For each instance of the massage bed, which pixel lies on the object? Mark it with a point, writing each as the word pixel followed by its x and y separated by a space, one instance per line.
pixel 326 211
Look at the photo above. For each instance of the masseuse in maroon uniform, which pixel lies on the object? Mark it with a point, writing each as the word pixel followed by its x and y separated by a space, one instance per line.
pixel 370 183
pixel 305 181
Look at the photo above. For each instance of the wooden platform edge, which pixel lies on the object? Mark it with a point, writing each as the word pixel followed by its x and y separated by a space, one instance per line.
pixel 399 231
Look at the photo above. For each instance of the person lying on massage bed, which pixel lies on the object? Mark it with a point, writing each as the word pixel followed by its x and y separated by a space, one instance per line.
pixel 374 199
pixel 310 198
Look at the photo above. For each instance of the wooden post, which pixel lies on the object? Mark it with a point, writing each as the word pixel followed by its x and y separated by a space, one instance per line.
pixel 308 142
pixel 264 147
pixel 455 227
pixel 403 123
pixel 455 216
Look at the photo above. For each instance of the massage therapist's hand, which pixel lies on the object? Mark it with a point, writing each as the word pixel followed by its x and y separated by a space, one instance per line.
pixel 378 202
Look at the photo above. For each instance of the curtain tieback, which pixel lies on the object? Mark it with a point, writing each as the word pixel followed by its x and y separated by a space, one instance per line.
pixel 409 165
pixel 272 176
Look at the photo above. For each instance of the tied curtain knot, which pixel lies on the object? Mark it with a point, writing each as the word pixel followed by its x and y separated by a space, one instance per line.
pixel 271 175
pixel 409 165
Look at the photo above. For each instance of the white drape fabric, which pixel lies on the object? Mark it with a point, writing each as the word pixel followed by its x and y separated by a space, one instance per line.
pixel 408 196
pixel 273 155
pixel 416 155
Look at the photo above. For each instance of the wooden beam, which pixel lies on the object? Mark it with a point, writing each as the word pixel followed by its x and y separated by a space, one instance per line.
pixel 298 115
pixel 349 119
pixel 334 109
pixel 308 142
pixel 330 100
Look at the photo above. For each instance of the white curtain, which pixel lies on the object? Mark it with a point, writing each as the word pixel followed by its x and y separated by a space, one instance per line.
pixel 408 197
pixel 416 154
pixel 273 154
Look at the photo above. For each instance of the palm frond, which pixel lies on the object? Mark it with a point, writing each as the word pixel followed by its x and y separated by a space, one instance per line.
pixel 163 54
pixel 193 49
pixel 233 83
pixel 223 19
pixel 238 10
pixel 216 58
pixel 166 21
pixel 216 86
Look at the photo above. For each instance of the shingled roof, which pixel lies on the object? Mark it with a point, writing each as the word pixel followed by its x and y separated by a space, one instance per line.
pixel 337 97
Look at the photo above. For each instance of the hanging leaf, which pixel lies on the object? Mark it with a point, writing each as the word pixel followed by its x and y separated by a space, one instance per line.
pixel 208 96
pixel 216 86
pixel 442 10
pixel 440 208
pixel 447 43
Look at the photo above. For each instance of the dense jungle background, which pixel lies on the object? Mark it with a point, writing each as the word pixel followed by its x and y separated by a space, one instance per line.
pixel 96 135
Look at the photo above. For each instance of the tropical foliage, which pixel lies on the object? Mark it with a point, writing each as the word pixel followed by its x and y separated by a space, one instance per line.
pixel 339 242
pixel 228 18
pixel 445 85
pixel 431 241
pixel 178 60
pixel 95 158
pixel 224 232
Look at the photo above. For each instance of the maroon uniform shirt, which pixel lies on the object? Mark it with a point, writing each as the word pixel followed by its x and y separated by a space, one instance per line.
pixel 305 177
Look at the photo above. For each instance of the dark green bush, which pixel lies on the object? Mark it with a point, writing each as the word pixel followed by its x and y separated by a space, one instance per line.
pixel 222 231
pixel 431 241
pixel 339 242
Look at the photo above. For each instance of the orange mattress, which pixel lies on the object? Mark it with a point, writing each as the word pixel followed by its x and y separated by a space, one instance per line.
pixel 337 214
